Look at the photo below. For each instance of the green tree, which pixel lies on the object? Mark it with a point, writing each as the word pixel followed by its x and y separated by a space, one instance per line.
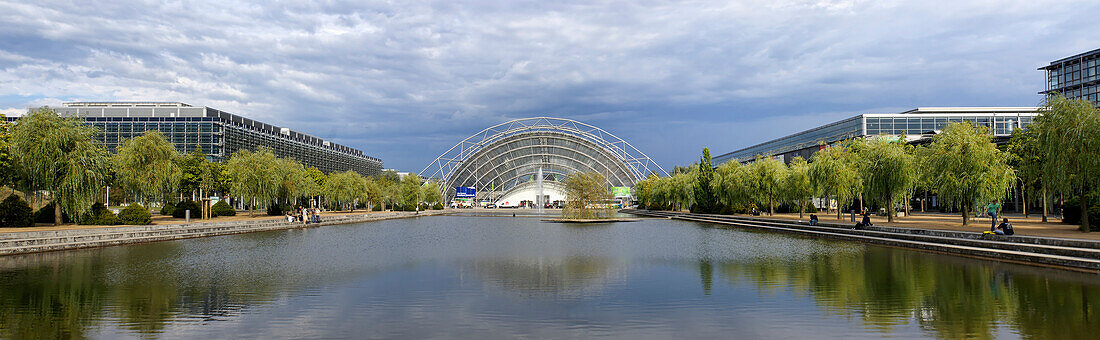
pixel 705 200
pixel 410 190
pixel 1069 136
pixel 1023 146
pixel 293 181
pixel 889 172
pixel 681 189
pixel 253 178
pixel 7 173
pixel 729 182
pixel 431 192
pixel 835 174
pixel 148 166
pixel 968 167
pixel 192 171
pixel 372 193
pixel 59 156
pixel 586 196
pixel 765 179
pixel 343 188
pixel 797 186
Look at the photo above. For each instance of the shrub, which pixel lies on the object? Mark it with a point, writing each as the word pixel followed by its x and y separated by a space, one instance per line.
pixel 222 209
pixel 15 212
pixel 168 209
pixel 45 215
pixel 135 214
pixel 98 215
pixel 377 207
pixel 437 206
pixel 183 207
pixel 274 210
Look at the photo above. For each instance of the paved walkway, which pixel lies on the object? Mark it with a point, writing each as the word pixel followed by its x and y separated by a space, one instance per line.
pixel 1033 226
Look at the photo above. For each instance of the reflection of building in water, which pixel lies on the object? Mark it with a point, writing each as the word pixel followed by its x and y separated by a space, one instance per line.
pixel 558 276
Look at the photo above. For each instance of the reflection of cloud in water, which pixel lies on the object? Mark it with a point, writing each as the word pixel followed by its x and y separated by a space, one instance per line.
pixel 573 276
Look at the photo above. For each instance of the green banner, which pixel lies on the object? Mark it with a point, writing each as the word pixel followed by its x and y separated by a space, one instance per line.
pixel 620 191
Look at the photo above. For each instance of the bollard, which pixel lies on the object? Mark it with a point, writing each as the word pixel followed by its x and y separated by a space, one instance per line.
pixel 187 215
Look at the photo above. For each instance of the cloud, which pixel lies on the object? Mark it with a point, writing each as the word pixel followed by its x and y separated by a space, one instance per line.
pixel 404 81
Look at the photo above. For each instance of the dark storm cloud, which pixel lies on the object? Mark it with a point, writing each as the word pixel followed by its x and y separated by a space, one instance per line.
pixel 406 80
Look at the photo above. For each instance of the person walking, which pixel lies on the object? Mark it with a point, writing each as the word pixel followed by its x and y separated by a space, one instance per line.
pixel 992 209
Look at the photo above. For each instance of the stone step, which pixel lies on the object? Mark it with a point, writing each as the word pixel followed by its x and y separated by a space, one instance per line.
pixel 1016 252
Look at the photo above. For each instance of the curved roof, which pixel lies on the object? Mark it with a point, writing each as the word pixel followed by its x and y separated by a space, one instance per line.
pixel 504 156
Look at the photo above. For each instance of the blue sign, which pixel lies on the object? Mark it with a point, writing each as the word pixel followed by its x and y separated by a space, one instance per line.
pixel 465 192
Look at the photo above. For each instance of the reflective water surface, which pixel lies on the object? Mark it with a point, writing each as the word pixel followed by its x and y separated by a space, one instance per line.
pixel 493 277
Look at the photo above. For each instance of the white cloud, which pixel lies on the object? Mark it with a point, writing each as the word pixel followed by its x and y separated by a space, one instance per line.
pixel 370 74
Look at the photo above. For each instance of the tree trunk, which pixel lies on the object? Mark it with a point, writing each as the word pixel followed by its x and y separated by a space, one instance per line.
pixel 966 214
pixel 771 206
pixel 924 201
pixel 889 208
pixel 861 203
pixel 1045 203
pixel 1084 210
pixel 56 213
pixel 908 202
pixel 1023 197
pixel 801 207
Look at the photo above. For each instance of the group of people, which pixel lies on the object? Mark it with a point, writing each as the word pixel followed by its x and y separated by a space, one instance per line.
pixel 304 215
pixel 1004 228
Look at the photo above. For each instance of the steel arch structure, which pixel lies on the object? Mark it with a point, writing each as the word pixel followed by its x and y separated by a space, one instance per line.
pixel 505 156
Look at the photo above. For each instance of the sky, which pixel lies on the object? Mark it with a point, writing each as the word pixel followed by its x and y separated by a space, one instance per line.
pixel 405 80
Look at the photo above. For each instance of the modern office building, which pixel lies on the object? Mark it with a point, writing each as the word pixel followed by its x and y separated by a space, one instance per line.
pixel 914 126
pixel 217 132
pixel 1077 77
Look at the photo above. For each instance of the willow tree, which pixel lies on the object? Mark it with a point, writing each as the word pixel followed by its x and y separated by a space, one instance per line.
pixel 797 186
pixel 409 189
pixel 148 166
pixel 292 181
pixel 764 178
pixel 729 183
pixel 835 173
pixel 58 156
pixel 431 192
pixel 1069 137
pixel 1029 159
pixel 253 177
pixel 344 188
pixel 889 172
pixel 967 167
pixel 7 173
pixel 586 196
pixel 681 189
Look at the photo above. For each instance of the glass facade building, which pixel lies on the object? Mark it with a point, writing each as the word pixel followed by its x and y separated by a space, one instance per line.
pixel 1077 77
pixel 913 125
pixel 217 132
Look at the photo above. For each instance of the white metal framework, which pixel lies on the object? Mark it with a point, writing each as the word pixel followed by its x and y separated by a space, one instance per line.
pixel 505 156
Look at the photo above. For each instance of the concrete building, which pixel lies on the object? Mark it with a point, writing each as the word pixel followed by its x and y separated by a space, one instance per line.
pixel 913 125
pixel 217 132
pixel 1077 77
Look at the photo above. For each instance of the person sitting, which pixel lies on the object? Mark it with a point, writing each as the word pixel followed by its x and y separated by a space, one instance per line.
pixel 1004 228
pixel 866 222
pixel 813 219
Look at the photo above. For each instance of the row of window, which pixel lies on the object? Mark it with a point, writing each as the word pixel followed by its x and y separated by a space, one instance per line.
pixel 1002 126
pixel 1073 74
pixel 1090 93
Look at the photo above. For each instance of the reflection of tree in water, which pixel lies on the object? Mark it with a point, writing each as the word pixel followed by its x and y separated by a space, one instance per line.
pixel 569 276
pixel 951 297
pixel 61 306
pixel 61 295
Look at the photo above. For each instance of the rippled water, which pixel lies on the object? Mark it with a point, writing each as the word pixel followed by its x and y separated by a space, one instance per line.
pixel 494 277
